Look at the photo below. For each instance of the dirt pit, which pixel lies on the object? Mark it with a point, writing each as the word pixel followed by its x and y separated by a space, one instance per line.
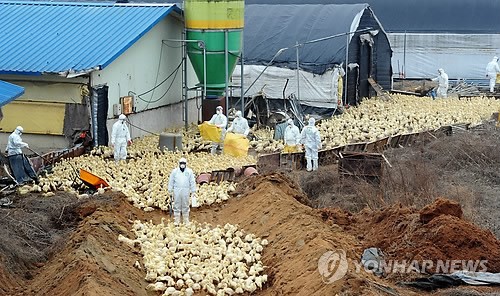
pixel 87 258
pixel 84 257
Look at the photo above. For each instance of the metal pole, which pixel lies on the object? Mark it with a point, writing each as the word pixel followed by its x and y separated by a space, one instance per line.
pixel 242 98
pixel 298 73
pixel 226 62
pixel 404 57
pixel 346 68
pixel 203 96
pixel 184 57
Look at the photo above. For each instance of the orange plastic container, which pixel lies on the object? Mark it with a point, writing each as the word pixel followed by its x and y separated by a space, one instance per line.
pixel 92 180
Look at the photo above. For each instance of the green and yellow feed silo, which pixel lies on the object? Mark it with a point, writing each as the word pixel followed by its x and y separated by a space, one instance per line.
pixel 212 21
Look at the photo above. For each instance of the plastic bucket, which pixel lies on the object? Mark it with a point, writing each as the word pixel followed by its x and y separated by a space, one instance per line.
pixel 203 178
pixel 250 171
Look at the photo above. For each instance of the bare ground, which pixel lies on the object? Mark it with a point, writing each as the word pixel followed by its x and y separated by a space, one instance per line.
pixel 64 246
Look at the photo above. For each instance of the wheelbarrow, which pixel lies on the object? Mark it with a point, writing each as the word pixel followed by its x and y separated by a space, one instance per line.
pixel 92 181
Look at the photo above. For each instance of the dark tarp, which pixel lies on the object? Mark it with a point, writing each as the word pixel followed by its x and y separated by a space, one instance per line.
pixel 412 16
pixel 76 119
pixel 272 27
pixel 99 104
pixel 421 16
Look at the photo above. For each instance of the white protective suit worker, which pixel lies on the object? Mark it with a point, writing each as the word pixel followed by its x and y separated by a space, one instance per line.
pixel 219 120
pixel 181 185
pixel 311 139
pixel 19 163
pixel 239 125
pixel 291 137
pixel 120 138
pixel 442 79
pixel 491 72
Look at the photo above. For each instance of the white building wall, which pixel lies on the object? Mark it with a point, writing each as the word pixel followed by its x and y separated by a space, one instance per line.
pixel 460 55
pixel 145 65
pixel 170 116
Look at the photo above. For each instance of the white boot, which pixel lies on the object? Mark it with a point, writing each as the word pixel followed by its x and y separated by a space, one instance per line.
pixel 213 150
pixel 185 219
pixel 315 164
pixel 309 165
pixel 177 219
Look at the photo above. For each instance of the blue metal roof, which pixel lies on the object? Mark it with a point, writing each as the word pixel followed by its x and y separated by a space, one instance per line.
pixel 9 92
pixel 62 37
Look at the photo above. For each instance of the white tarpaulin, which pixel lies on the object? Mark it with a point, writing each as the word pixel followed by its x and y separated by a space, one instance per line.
pixel 315 90
pixel 460 55
pixel 478 278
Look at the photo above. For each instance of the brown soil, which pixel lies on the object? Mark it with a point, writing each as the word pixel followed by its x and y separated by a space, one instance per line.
pixel 297 238
pixel 440 206
pixel 91 261
pixel 399 232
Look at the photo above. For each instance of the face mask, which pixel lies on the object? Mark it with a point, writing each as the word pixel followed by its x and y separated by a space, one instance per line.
pixel 182 166
pixel 218 112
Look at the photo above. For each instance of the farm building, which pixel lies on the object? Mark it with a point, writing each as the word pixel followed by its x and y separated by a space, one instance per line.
pixel 82 70
pixel 458 36
pixel 317 36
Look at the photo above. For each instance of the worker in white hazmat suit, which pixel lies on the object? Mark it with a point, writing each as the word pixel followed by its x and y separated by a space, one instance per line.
pixel 219 120
pixel 120 138
pixel 239 125
pixel 491 72
pixel 311 139
pixel 291 137
pixel 19 163
pixel 442 79
pixel 181 184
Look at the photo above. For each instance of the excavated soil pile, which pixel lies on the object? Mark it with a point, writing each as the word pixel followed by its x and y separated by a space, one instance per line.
pixel 401 234
pixel 93 261
pixel 439 207
pixel 269 207
pixel 32 230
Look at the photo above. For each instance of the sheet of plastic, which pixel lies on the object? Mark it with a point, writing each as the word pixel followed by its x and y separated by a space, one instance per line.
pixel 462 56
pixel 210 132
pixel 236 145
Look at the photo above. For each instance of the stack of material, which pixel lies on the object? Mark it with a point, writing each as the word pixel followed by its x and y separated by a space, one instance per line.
pixel 464 89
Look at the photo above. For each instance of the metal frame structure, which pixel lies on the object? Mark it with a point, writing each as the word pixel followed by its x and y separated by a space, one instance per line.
pixel 185 86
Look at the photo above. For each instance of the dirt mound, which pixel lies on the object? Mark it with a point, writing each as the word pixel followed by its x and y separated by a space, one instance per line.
pixel 93 261
pixel 398 231
pixel 32 231
pixel 440 206
pixel 297 236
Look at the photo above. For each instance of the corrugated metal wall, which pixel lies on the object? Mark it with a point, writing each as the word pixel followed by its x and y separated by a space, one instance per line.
pixel 41 109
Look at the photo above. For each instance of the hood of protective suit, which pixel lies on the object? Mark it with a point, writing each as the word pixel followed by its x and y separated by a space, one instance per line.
pixel 182 164
pixel 312 121
pixel 19 130
pixel 238 114
pixel 495 59
pixel 290 122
